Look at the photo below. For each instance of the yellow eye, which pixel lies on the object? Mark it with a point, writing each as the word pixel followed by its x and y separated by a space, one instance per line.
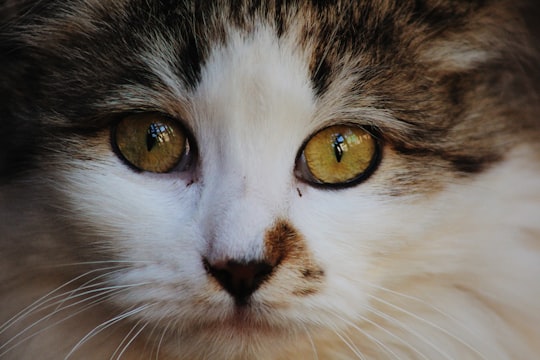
pixel 151 142
pixel 338 155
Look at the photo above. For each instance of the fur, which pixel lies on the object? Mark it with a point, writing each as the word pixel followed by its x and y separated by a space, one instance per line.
pixel 436 255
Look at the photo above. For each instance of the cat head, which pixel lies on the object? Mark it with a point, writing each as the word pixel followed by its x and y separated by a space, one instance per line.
pixel 264 170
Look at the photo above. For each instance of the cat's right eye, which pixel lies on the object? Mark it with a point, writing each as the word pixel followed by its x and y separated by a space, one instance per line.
pixel 152 142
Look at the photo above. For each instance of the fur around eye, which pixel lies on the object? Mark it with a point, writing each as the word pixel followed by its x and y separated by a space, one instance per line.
pixel 340 155
pixel 152 142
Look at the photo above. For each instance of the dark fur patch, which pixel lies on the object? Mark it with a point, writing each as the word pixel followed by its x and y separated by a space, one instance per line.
pixel 281 242
pixel 321 76
pixel 286 248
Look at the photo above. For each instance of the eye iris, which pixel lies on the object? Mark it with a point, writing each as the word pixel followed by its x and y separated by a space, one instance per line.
pixel 339 154
pixel 150 142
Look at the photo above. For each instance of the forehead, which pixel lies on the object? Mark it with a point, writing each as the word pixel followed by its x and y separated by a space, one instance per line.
pixel 254 94
pixel 124 56
pixel 407 68
pixel 101 46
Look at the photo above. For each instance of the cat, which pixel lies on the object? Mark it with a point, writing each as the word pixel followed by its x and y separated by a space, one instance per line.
pixel 269 179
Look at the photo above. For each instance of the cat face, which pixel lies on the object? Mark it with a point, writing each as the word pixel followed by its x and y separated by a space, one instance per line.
pixel 260 177
pixel 241 200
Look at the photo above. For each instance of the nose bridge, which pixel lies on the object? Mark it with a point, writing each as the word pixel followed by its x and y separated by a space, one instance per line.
pixel 247 163
pixel 235 225
pixel 236 255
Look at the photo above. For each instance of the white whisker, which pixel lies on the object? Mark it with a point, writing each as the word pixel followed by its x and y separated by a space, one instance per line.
pixel 125 340
pixel 90 284
pixel 86 263
pixel 150 338
pixel 400 324
pixel 310 339
pixel 377 342
pixel 43 299
pixel 104 326
pixel 408 328
pixel 131 341
pixel 349 344
pixel 437 310
pixel 162 337
pixel 150 335
pixel 100 292
pixel 21 341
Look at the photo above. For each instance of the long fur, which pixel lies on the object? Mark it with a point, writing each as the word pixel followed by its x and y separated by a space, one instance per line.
pixel 436 255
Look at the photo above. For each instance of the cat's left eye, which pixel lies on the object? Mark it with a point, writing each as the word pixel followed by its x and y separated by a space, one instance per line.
pixel 340 155
pixel 152 142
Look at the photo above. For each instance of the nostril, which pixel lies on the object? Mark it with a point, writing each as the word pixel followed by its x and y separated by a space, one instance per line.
pixel 239 279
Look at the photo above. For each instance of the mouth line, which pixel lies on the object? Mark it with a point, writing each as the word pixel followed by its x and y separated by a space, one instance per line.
pixel 247 320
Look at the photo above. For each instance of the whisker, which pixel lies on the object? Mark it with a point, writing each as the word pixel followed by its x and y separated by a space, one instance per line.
pixel 104 326
pixel 351 346
pixel 150 335
pixel 416 333
pixel 310 339
pixel 112 290
pixel 125 339
pixel 86 263
pixel 420 336
pixel 132 339
pixel 420 301
pixel 402 325
pixel 162 337
pixel 150 338
pixel 43 299
pixel 90 292
pixel 439 311
pixel 377 342
pixel 90 284
pixel 86 307
pixel 100 292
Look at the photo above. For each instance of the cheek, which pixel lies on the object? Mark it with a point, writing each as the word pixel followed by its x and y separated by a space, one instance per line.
pixel 134 215
pixel 349 223
pixel 340 242
pixel 145 226
pixel 350 233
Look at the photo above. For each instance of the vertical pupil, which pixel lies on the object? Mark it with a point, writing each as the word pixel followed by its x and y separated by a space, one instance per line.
pixel 156 133
pixel 338 147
